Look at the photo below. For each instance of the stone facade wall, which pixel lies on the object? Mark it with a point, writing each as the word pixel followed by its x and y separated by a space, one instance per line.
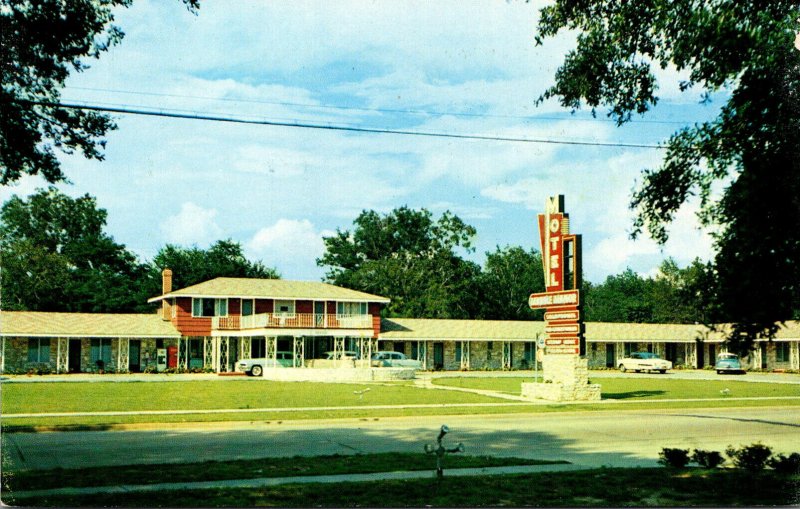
pixel 16 356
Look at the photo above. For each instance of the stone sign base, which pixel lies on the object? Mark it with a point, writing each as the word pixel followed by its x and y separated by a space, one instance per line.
pixel 566 378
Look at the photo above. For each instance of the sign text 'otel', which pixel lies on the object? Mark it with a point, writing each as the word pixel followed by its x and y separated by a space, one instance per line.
pixel 561 261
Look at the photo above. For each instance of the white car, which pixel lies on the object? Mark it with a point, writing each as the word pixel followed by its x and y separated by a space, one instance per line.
pixel 644 361
pixel 256 366
pixel 394 360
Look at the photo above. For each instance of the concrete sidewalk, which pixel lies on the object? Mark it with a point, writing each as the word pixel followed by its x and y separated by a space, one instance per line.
pixel 323 479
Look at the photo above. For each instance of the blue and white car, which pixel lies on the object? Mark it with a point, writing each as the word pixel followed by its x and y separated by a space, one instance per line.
pixel 255 367
pixel 729 363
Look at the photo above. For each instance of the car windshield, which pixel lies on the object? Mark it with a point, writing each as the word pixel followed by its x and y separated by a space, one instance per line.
pixel 645 355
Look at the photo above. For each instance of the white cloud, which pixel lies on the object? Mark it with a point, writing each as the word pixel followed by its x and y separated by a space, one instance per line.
pixel 192 225
pixel 290 245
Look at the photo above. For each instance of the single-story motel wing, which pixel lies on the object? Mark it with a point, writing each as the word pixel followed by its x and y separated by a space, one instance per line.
pixel 211 325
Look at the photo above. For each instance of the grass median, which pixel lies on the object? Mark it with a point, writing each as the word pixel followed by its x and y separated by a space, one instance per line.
pixel 644 487
pixel 632 388
pixel 247 469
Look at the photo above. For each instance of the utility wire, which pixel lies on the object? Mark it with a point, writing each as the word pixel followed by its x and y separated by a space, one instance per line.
pixel 376 110
pixel 333 127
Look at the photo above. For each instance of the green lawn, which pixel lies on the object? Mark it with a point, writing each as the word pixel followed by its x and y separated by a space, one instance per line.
pixel 632 388
pixel 248 469
pixel 660 487
pixel 201 395
pixel 236 395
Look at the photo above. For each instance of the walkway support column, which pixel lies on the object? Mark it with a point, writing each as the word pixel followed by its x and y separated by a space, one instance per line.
pixel 123 354
pixel 62 355
pixel 299 352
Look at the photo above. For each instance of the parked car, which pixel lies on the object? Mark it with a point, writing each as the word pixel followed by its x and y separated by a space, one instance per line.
pixel 346 354
pixel 644 361
pixel 394 360
pixel 728 363
pixel 255 367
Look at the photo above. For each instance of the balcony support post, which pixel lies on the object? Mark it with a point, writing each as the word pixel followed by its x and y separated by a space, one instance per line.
pixel 299 351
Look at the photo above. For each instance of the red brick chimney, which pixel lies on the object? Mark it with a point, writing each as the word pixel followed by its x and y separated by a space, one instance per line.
pixel 166 287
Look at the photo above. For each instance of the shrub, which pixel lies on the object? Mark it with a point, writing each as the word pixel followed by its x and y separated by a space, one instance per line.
pixel 786 465
pixel 707 459
pixel 675 458
pixel 750 457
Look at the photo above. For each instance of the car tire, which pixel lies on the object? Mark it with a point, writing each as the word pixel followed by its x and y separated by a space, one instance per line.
pixel 662 371
pixel 719 372
pixel 256 371
pixel 622 368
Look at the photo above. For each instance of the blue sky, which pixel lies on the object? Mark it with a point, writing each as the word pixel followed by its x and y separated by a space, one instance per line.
pixel 457 67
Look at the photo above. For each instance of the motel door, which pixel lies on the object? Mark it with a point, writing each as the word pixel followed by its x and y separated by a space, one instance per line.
pixel 319 314
pixel 74 365
pixel 134 352
pixel 610 353
pixel 438 355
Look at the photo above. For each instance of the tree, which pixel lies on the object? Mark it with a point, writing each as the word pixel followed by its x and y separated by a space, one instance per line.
pixel 193 265
pixel 407 256
pixel 42 41
pixel 509 276
pixel 56 256
pixel 754 143
pixel 620 298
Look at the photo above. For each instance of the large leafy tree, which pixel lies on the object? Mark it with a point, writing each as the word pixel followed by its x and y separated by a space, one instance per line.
pixel 43 41
pixel 56 256
pixel 509 276
pixel 409 257
pixel 753 145
pixel 192 265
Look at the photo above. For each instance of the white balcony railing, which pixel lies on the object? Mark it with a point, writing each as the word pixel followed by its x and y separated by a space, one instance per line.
pixel 291 320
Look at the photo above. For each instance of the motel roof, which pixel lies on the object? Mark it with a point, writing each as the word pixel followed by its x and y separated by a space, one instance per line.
pixel 272 289
pixel 95 325
pixel 410 329
pixel 443 330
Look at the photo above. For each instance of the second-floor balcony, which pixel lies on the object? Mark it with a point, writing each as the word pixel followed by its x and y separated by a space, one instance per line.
pixel 291 321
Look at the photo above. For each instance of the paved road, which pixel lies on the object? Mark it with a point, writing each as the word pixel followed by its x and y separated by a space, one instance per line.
pixel 624 438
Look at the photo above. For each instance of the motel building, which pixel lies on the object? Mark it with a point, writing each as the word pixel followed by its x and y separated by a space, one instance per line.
pixel 211 325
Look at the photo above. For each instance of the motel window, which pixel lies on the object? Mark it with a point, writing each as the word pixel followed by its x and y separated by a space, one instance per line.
pixel 628 347
pixel 101 350
pixel 782 352
pixel 39 350
pixel 284 307
pixel 209 307
pixel 529 352
pixel 351 308
pixel 248 305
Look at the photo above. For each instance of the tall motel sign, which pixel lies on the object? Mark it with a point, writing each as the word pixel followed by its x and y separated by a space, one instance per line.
pixel 565 367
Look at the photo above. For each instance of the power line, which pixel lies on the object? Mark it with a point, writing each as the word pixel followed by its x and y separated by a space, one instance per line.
pixel 334 127
pixel 377 110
